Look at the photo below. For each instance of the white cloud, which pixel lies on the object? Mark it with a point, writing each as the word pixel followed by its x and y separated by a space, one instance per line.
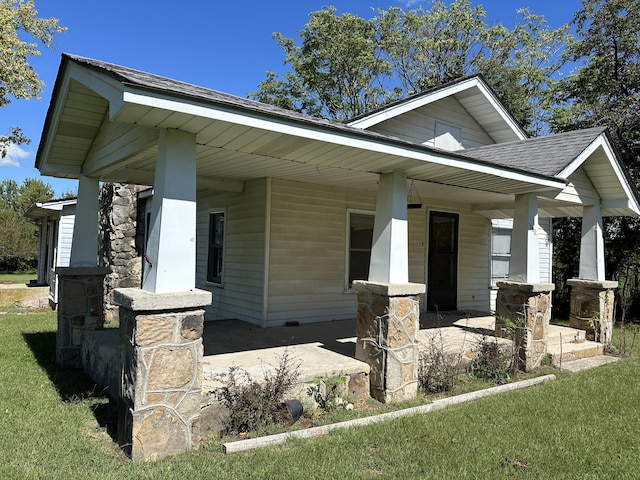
pixel 14 155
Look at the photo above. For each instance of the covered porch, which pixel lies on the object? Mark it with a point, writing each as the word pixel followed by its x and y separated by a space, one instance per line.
pixel 188 141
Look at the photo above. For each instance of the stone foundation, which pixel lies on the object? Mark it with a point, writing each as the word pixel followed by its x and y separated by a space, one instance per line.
pixel 387 324
pixel 592 308
pixel 80 311
pixel 161 372
pixel 523 310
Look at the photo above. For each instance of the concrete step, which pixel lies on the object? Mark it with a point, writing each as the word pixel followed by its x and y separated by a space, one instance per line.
pixel 557 334
pixel 566 352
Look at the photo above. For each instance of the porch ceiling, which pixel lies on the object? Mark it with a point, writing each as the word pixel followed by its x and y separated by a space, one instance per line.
pixel 101 126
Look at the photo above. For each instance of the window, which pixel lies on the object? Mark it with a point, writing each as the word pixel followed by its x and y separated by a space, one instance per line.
pixel 448 137
pixel 360 239
pixel 500 251
pixel 216 245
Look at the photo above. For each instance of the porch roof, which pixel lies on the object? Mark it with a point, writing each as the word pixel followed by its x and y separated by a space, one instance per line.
pixel 104 121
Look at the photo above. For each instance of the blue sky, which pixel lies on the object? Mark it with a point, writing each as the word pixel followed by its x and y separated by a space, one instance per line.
pixel 218 44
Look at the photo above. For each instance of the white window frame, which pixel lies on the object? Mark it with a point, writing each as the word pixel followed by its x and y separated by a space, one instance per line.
pixel 498 226
pixel 347 284
pixel 212 212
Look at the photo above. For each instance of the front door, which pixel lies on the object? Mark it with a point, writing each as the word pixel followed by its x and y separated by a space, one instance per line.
pixel 442 269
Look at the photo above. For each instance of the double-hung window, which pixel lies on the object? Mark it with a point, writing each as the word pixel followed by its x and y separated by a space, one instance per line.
pixel 359 240
pixel 500 250
pixel 215 257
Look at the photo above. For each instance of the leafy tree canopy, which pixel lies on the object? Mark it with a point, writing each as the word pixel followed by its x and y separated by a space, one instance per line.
pixel 19 27
pixel 347 65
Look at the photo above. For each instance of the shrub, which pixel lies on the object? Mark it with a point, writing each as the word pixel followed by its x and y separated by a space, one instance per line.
pixel 438 370
pixel 492 362
pixel 255 404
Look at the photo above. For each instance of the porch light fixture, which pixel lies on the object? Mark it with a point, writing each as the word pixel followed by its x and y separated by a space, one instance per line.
pixel 410 204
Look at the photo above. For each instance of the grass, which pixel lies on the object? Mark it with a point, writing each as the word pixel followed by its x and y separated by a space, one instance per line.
pixel 20 277
pixel 53 424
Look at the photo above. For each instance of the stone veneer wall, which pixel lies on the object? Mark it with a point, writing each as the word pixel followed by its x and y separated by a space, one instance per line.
pixel 80 311
pixel 528 306
pixel 121 241
pixel 161 372
pixel 592 308
pixel 387 323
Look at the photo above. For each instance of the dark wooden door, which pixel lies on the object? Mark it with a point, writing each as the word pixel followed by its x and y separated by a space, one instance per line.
pixel 442 270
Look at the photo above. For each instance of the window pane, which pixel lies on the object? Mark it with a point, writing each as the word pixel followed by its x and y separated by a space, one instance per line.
pixel 216 242
pixel 501 241
pixel 360 239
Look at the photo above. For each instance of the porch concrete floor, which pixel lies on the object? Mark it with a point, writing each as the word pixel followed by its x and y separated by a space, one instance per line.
pixel 324 349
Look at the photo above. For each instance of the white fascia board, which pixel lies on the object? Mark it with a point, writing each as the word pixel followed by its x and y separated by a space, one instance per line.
pixel 312 132
pixel 602 142
pixel 53 125
pixel 504 114
pixel 409 105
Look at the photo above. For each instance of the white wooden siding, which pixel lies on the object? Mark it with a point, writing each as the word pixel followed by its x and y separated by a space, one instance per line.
pixel 241 295
pixel 474 260
pixel 65 236
pixel 308 252
pixel 419 125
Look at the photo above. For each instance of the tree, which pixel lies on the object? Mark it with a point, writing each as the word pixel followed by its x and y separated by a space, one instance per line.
pixel 18 79
pixel 346 65
pixel 604 89
pixel 18 236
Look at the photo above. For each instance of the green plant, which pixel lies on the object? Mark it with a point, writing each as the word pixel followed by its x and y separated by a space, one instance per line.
pixel 254 404
pixel 492 362
pixel 326 392
pixel 437 370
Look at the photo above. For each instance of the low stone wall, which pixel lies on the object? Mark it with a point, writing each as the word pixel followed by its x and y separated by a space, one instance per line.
pixel 80 311
pixel 23 296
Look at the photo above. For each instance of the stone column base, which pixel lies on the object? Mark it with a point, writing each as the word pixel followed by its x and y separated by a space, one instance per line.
pixel 387 323
pixel 592 308
pixel 161 371
pixel 523 311
pixel 80 311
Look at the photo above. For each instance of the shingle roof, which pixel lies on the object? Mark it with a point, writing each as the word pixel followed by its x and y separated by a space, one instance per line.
pixel 547 155
pixel 542 156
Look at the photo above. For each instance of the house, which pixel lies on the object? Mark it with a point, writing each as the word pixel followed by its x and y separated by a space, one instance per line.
pixel 54 219
pixel 275 217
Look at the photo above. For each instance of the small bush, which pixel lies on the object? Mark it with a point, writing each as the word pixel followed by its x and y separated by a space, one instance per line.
pixel 327 393
pixel 492 362
pixel 438 370
pixel 253 405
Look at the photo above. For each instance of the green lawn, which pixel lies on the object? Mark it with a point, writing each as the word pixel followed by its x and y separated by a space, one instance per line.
pixel 584 425
pixel 18 277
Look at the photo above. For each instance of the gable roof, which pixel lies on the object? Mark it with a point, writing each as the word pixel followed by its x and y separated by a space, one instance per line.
pixel 475 96
pixel 548 155
pixel 104 122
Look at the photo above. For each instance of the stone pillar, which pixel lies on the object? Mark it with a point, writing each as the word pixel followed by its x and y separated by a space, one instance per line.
pixel 119 246
pixel 523 310
pixel 161 371
pixel 592 308
pixel 386 327
pixel 80 310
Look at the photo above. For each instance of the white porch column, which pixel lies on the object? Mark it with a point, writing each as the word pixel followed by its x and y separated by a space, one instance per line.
pixel 84 245
pixel 592 244
pixel 171 249
pixel 389 251
pixel 524 262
